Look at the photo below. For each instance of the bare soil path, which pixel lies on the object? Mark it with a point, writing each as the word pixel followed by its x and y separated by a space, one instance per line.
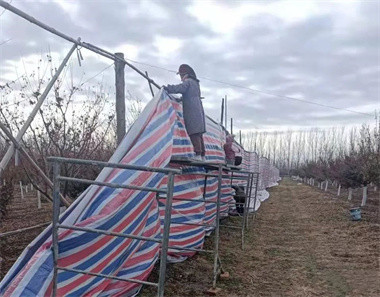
pixel 302 243
pixel 22 213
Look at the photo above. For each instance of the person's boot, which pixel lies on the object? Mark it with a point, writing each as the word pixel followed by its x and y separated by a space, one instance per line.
pixel 197 158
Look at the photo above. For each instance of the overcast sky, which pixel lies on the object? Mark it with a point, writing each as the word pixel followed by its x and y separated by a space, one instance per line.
pixel 326 52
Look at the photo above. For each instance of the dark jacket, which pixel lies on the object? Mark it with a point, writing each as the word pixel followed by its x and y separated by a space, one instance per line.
pixel 193 112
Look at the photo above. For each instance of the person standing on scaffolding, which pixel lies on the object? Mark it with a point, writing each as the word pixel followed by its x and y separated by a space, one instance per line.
pixel 193 113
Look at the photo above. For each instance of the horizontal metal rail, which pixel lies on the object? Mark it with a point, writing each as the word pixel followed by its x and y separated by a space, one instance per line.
pixel 10 233
pixel 216 175
pixel 190 249
pixel 110 233
pixel 89 46
pixel 187 162
pixel 131 280
pixel 111 185
pixel 196 200
pixel 248 172
pixel 210 165
pixel 113 165
pixel 200 173
pixel 229 226
pixel 194 224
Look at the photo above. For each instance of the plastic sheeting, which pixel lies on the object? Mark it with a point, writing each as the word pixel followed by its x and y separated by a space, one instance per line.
pixel 157 136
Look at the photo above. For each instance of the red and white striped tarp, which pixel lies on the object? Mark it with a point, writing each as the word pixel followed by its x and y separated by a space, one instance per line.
pixel 157 136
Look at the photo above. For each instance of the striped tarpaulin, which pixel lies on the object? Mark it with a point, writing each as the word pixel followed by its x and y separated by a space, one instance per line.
pixel 117 210
pixel 157 136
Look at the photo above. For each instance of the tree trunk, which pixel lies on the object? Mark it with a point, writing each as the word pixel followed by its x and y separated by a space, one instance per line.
pixel 364 199
pixel 326 185
pixel 338 194
pixel 349 193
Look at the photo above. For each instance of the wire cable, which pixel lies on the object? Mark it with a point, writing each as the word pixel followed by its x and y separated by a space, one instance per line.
pixel 5 41
pixel 92 77
pixel 5 9
pixel 265 92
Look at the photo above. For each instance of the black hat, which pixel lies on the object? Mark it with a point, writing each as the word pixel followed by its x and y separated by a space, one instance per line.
pixel 186 69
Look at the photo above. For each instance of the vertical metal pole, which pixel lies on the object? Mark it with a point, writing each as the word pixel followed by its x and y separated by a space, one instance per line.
pixel 222 112
pixel 120 97
pixel 249 182
pixel 205 188
pixel 240 137
pixel 225 111
pixel 254 202
pixel 365 195
pixel 56 204
pixel 244 215
pixel 17 158
pixel 8 155
pixel 232 120
pixel 38 199
pixel 217 217
pixel 22 190
pixel 165 235
pixel 250 197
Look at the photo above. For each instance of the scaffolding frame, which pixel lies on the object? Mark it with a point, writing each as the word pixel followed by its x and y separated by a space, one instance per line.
pixel 222 173
pixel 57 179
pixel 222 169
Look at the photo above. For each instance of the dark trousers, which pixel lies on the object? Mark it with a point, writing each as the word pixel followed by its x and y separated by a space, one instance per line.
pixel 198 144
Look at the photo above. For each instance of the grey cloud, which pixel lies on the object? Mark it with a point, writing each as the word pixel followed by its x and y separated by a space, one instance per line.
pixel 318 57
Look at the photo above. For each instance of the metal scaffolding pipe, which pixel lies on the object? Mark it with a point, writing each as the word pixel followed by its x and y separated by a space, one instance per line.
pixel 112 165
pixel 86 45
pixel 131 280
pixel 92 230
pixel 8 155
pixel 31 161
pixel 111 185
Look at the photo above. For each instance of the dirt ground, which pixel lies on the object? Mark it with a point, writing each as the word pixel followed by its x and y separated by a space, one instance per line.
pixel 302 243
pixel 22 213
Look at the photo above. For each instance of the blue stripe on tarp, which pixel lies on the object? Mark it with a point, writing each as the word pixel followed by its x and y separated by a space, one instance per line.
pixel 188 218
pixel 108 270
pixel 45 269
pixel 87 237
pixel 190 233
pixel 109 247
pixel 39 277
pixel 213 147
pixel 30 252
pixel 181 142
pixel 125 175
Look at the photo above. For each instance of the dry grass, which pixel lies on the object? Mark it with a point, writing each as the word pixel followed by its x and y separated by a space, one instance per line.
pixel 302 243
